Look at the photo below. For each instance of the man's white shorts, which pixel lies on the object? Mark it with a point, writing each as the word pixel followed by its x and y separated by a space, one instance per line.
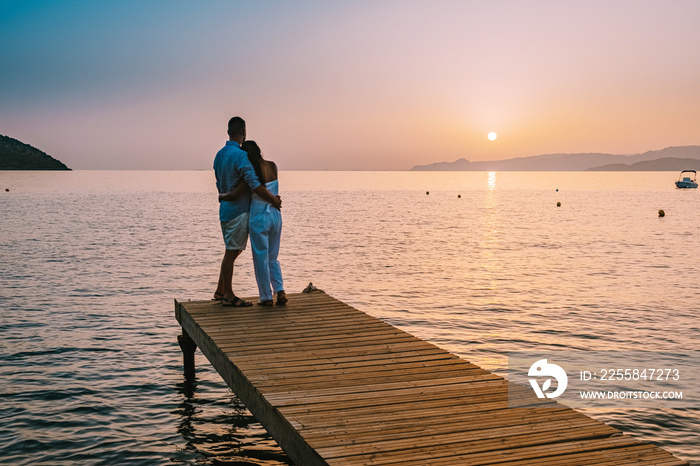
pixel 236 232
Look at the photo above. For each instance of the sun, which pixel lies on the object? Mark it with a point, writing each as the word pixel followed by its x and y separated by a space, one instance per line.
pixel 492 136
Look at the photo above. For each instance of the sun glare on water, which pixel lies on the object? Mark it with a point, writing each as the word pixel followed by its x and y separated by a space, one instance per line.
pixel 492 136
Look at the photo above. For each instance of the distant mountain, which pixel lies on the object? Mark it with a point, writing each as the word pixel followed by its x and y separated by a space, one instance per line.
pixel 16 155
pixel 656 165
pixel 570 162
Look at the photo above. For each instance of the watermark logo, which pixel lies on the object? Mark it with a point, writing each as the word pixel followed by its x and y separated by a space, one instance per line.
pixel 542 368
pixel 604 379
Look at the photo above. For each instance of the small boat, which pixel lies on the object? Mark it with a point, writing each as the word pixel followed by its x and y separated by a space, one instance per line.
pixel 687 181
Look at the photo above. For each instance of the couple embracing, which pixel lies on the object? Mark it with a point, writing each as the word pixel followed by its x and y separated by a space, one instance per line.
pixel 248 201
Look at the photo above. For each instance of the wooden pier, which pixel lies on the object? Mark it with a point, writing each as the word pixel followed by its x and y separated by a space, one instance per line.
pixel 335 386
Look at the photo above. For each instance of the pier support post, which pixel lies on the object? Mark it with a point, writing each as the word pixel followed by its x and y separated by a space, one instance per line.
pixel 188 347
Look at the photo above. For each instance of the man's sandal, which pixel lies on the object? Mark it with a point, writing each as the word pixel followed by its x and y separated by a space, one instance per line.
pixel 235 302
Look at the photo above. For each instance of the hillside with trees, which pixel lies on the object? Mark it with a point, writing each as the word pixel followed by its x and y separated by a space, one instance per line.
pixel 16 155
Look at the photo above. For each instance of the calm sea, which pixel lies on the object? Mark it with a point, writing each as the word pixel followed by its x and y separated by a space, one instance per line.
pixel 484 264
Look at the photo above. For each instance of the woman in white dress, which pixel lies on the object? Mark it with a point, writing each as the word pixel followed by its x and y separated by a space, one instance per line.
pixel 265 228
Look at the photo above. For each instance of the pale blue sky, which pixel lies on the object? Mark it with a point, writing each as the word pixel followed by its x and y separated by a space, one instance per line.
pixel 347 84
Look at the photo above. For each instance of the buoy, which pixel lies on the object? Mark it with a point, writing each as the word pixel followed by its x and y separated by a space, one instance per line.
pixel 662 213
pixel 459 196
pixel 558 204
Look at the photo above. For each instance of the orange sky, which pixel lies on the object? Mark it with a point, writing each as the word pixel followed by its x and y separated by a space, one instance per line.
pixel 348 85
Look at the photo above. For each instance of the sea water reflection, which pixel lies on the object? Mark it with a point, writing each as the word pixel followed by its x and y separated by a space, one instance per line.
pixel 483 265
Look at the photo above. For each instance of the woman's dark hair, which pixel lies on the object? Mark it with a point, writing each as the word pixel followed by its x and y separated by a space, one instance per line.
pixel 255 157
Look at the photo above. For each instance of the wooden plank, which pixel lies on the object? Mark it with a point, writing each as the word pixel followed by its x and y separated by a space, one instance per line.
pixel 429 417
pixel 644 454
pixel 463 390
pixel 362 372
pixel 487 452
pixel 465 426
pixel 322 353
pixel 272 364
pixel 456 385
pixel 403 412
pixel 404 409
pixel 588 453
pixel 479 441
pixel 336 386
pixel 310 344
pixel 367 365
pixel 243 335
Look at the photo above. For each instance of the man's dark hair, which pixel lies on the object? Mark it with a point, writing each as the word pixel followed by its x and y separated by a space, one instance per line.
pixel 236 126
